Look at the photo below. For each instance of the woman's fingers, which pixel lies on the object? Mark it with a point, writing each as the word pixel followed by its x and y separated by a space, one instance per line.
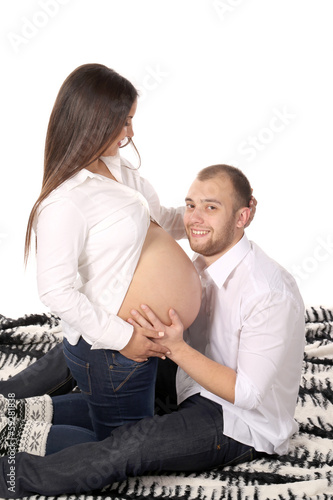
pixel 141 346
pixel 159 351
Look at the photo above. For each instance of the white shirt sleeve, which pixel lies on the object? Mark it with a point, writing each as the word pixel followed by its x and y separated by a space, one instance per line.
pixel 265 340
pixel 61 232
pixel 171 219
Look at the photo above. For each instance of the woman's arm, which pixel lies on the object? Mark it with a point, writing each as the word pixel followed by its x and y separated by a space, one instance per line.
pixel 171 219
pixel 61 233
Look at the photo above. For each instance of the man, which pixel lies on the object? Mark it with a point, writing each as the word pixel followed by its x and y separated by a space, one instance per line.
pixel 239 363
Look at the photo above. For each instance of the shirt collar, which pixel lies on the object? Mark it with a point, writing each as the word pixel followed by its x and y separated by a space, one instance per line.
pixel 78 179
pixel 221 269
pixel 113 163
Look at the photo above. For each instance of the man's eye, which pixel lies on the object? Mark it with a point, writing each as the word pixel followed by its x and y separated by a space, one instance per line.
pixel 211 207
pixel 188 205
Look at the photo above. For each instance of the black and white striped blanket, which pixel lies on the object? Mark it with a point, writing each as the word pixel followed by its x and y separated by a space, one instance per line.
pixel 306 472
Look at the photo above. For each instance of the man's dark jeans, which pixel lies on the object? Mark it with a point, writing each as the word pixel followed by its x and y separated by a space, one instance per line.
pixel 189 439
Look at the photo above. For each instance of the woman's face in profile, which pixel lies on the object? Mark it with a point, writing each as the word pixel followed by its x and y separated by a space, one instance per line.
pixel 127 131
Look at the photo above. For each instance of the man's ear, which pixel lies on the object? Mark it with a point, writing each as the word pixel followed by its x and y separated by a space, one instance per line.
pixel 243 217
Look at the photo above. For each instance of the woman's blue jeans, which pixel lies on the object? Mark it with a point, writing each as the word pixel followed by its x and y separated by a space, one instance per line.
pixel 117 390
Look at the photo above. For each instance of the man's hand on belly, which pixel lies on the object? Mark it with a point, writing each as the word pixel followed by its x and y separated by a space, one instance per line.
pixel 173 334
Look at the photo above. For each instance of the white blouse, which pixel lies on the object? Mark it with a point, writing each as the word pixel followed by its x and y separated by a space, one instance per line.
pixel 90 232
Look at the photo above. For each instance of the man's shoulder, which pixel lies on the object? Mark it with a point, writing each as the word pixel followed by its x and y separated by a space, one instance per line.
pixel 266 275
pixel 263 264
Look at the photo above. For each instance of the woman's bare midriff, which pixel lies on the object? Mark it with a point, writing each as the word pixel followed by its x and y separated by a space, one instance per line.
pixel 165 278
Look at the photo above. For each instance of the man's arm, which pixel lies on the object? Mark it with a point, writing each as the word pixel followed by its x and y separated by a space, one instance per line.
pixel 272 332
pixel 213 376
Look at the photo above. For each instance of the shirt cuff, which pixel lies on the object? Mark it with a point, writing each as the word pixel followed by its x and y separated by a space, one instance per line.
pixel 247 396
pixel 117 335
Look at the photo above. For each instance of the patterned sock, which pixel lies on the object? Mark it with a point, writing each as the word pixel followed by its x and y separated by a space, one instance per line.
pixel 23 435
pixel 37 408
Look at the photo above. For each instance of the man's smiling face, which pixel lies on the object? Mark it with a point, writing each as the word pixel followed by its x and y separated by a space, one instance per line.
pixel 210 218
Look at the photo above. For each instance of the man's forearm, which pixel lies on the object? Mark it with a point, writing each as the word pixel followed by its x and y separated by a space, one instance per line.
pixel 214 377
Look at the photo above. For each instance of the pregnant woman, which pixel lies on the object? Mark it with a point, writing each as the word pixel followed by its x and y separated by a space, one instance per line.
pixel 102 250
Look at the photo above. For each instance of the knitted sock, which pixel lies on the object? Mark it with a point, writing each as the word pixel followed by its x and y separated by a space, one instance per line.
pixel 23 435
pixel 37 408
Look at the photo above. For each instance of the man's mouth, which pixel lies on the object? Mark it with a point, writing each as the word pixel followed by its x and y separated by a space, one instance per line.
pixel 199 232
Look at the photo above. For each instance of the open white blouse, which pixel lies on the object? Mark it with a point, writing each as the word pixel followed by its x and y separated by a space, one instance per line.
pixel 90 232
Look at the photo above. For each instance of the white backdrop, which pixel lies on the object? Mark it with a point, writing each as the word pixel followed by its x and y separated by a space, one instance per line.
pixel 245 82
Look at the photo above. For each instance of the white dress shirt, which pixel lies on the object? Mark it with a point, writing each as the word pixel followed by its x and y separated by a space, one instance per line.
pixel 90 232
pixel 251 320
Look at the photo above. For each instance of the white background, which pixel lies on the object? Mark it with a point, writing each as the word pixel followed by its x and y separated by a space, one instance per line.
pixel 215 79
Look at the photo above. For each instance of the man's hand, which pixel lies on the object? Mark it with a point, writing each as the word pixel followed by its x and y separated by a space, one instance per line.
pixel 173 334
pixel 142 346
pixel 214 377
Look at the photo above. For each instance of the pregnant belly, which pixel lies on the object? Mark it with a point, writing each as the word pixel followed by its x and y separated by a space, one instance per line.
pixel 165 278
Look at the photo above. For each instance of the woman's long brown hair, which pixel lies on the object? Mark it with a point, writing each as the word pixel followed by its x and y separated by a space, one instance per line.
pixel 88 115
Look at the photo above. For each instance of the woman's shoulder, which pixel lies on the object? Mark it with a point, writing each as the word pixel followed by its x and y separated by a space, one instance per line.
pixel 66 191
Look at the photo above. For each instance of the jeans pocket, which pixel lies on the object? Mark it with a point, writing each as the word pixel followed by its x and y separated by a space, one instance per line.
pixel 247 455
pixel 120 361
pixel 124 371
pixel 80 371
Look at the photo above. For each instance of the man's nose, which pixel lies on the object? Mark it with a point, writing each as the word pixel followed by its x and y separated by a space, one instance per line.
pixel 197 215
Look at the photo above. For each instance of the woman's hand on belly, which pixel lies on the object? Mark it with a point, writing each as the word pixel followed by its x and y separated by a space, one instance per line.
pixel 142 346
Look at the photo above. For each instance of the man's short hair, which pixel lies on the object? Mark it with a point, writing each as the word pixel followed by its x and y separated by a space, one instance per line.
pixel 241 185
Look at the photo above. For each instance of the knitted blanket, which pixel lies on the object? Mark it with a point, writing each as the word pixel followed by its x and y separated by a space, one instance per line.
pixel 306 472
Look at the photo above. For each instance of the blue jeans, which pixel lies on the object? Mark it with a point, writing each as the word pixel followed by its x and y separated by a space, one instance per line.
pixel 189 439
pixel 48 375
pixel 117 390
pixel 71 423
